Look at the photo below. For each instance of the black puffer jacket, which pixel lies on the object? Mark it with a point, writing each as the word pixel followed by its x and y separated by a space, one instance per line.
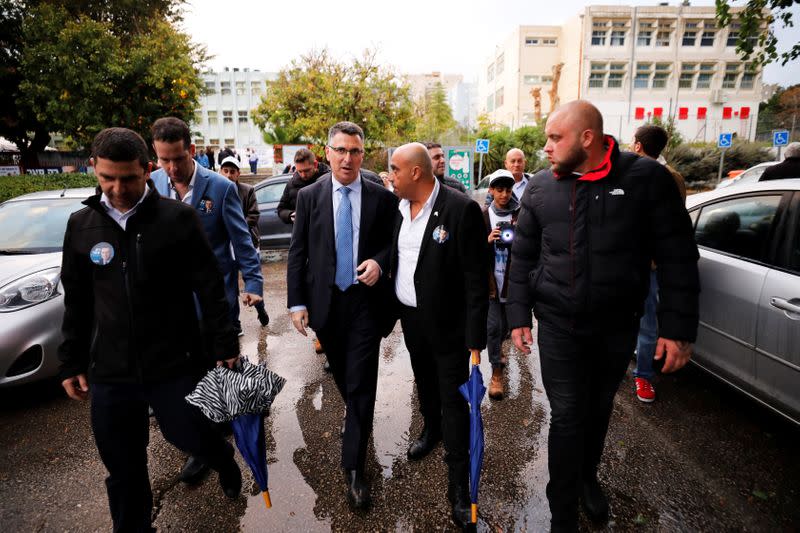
pixel 583 247
pixel 288 202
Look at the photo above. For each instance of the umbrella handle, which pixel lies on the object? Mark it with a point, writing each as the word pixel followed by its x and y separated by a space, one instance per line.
pixel 267 501
pixel 474 513
pixel 476 357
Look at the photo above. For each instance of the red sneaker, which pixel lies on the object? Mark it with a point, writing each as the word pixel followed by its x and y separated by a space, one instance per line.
pixel 645 390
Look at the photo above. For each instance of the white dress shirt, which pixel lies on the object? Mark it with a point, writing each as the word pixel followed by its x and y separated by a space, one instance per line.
pixel 187 199
pixel 355 211
pixel 119 217
pixel 519 187
pixel 409 243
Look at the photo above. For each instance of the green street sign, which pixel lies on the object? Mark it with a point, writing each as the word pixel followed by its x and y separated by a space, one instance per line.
pixel 458 164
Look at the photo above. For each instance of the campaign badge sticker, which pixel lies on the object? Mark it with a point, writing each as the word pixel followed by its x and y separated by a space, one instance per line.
pixel 206 206
pixel 101 253
pixel 440 234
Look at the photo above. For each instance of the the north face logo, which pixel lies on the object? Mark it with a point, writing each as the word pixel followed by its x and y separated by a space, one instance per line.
pixel 617 192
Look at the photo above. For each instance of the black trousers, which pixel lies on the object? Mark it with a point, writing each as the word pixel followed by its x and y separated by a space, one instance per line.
pixel 351 342
pixel 121 427
pixel 438 374
pixel 581 375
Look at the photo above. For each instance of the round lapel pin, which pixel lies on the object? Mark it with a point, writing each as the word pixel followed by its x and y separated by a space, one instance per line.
pixel 101 253
pixel 440 234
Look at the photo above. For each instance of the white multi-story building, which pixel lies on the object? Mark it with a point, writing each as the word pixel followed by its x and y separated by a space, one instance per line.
pixel 634 63
pixel 463 100
pixel 224 117
pixel 461 95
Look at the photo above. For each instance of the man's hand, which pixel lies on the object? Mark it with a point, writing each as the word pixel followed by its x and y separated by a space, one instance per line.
pixel 291 216
pixel 494 235
pixel 228 363
pixel 677 352
pixel 300 319
pixel 77 387
pixel 249 299
pixel 523 339
pixel 372 272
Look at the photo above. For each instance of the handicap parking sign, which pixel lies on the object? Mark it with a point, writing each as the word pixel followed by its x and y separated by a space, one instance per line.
pixel 482 146
pixel 725 140
pixel 780 138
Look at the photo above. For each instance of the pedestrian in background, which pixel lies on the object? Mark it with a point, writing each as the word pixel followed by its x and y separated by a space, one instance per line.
pixel 437 157
pixel 514 163
pixel 500 218
pixel 231 169
pixel 253 160
pixel 337 283
pixel 211 158
pixel 788 168
pixel 587 232
pixel 439 267
pixel 202 159
pixel 131 332
pixel 649 141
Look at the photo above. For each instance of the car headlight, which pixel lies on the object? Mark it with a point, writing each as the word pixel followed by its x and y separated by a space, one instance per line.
pixel 30 290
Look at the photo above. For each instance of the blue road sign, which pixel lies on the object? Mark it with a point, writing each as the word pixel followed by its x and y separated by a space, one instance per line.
pixel 482 146
pixel 725 140
pixel 780 138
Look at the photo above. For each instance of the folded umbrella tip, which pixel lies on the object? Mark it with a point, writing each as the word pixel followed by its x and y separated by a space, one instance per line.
pixel 267 501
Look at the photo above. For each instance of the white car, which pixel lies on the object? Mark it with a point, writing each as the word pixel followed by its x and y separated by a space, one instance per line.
pixel 751 175
pixel 32 230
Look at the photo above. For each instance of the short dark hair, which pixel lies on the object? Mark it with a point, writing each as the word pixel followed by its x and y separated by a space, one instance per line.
pixel 304 155
pixel 171 129
pixel 652 138
pixel 120 145
pixel 430 145
pixel 348 128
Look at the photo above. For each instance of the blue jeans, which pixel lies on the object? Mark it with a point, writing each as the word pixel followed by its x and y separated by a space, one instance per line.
pixel 648 333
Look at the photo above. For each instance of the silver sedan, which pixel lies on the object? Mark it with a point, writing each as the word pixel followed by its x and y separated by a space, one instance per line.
pixel 31 296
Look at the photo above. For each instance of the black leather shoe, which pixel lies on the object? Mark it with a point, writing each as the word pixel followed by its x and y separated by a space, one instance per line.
pixel 594 501
pixel 357 489
pixel 193 471
pixel 424 444
pixel 230 479
pixel 263 317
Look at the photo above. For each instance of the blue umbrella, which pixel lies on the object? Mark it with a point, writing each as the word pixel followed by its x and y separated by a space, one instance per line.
pixel 473 391
pixel 241 396
pixel 248 430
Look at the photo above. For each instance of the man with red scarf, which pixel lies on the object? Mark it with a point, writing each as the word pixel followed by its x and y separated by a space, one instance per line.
pixel 587 232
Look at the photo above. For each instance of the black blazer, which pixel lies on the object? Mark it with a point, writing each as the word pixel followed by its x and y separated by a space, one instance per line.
pixel 450 279
pixel 311 265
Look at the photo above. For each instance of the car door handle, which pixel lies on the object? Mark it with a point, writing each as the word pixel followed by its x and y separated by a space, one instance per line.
pixel 787 306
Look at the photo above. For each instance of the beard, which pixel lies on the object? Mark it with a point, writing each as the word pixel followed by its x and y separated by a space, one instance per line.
pixel 574 158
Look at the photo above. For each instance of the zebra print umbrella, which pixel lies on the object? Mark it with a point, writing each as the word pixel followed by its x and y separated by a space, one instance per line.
pixel 223 394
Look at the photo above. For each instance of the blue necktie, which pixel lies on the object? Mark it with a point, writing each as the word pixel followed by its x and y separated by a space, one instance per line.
pixel 344 242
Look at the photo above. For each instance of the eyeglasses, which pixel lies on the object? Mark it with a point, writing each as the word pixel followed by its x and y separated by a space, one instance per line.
pixel 354 152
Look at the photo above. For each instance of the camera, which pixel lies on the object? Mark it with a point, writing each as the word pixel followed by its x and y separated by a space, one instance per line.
pixel 506 235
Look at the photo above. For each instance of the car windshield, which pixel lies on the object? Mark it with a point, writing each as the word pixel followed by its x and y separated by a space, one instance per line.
pixel 35 226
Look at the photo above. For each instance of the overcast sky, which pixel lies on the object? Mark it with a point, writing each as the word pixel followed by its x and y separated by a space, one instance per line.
pixel 412 36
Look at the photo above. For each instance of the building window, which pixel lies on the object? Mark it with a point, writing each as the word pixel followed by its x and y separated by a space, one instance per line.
pixel 615 79
pixel 597 76
pixel 642 79
pixel 704 80
pixel 661 75
pixel 230 142
pixel 225 87
pixel 663 38
pixel 689 38
pixel 255 88
pixel 227 117
pixel 688 72
pixel 733 34
pixel 598 37
pixel 531 41
pixel 490 72
pixel 490 103
pixel 211 87
pixel 213 143
pixel 644 38
pixel 748 80
pixel 549 42
pixel 212 119
pixel 731 76
pixel 240 88
pixel 707 38
pixel 499 98
pixel 499 64
pixel 242 117
pixel 617 37
pixel 531 79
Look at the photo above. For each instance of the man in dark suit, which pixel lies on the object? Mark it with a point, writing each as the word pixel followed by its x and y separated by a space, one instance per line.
pixel 789 168
pixel 440 270
pixel 337 282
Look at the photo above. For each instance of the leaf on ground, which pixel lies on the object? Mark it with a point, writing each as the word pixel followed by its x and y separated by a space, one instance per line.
pixel 760 494
pixel 640 520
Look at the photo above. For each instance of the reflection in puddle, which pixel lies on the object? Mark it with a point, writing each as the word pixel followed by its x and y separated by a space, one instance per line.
pixel 316 400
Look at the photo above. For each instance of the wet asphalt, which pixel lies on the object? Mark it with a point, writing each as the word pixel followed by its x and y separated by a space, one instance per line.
pixel 701 458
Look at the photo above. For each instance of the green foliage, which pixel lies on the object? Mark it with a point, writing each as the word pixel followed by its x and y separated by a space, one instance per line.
pixel 529 139
pixel 756 36
pixel 434 116
pixel 278 135
pixel 699 164
pixel 317 91
pixel 13 186
pixel 78 67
